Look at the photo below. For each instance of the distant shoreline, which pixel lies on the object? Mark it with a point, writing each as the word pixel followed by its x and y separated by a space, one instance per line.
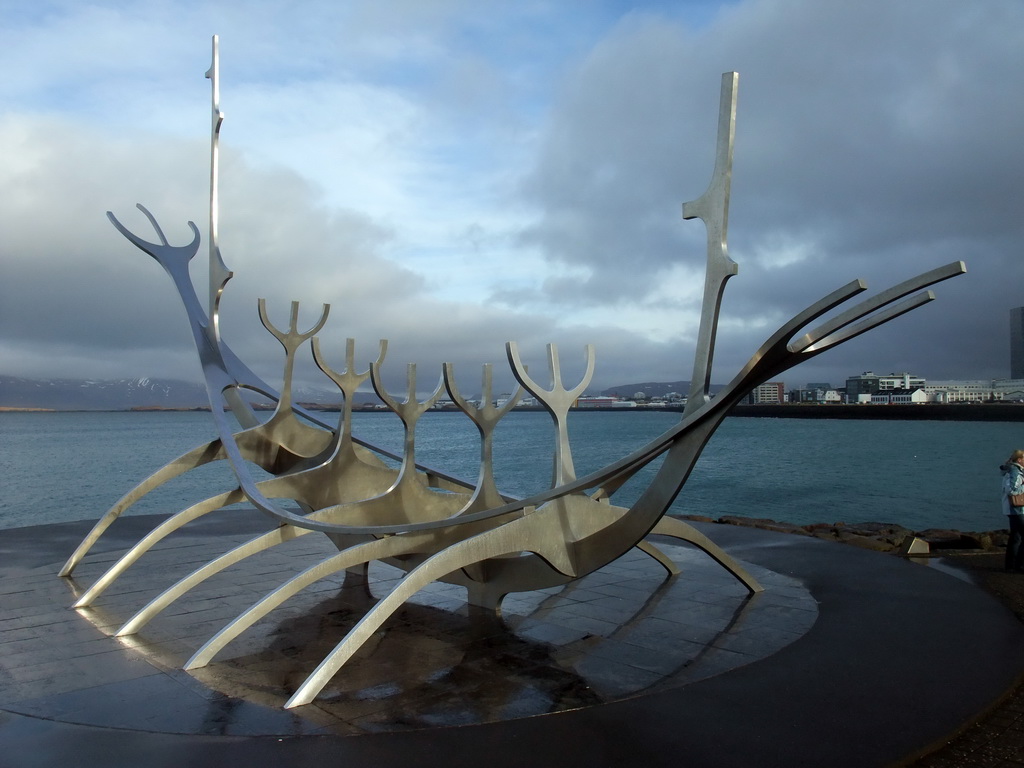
pixel 923 412
pixel 1011 412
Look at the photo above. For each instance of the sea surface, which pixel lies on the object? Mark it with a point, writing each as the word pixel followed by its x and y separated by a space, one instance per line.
pixel 57 467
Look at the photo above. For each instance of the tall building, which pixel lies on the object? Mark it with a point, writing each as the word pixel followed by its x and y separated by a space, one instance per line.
pixel 869 383
pixel 1017 343
pixel 769 392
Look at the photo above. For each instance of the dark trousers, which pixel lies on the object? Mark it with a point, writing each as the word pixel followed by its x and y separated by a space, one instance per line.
pixel 1015 546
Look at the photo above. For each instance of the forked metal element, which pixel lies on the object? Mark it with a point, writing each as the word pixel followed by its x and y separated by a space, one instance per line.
pixel 488 543
pixel 485 417
pixel 556 401
pixel 291 340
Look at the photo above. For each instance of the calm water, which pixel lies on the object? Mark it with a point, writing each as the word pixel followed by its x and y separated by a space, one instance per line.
pixel 70 466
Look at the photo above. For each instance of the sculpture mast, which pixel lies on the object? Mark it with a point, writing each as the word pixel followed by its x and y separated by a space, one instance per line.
pixel 219 273
pixel 713 209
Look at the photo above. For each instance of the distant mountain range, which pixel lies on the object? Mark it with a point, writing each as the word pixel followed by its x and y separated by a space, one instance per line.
pixel 124 394
pixel 121 394
pixel 649 388
pixel 654 389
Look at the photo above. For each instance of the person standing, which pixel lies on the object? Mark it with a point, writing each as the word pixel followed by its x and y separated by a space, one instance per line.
pixel 1013 484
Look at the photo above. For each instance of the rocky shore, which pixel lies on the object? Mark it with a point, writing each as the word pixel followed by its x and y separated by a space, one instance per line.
pixel 880 537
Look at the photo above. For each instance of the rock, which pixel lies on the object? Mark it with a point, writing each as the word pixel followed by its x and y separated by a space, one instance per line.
pixel 785 528
pixel 814 528
pixel 973 541
pixel 887 530
pixel 747 522
pixel 876 536
pixel 825 534
pixel 697 518
pixel 865 542
pixel 939 538
pixel 763 524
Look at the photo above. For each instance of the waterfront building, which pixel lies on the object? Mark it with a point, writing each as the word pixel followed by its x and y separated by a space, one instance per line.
pixel 815 393
pixel 976 390
pixel 914 396
pixel 769 392
pixel 604 401
pixel 1017 343
pixel 526 401
pixel 899 381
pixel 869 383
pixel 857 387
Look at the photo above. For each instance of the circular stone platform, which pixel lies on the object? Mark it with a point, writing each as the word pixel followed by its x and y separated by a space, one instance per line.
pixel 847 658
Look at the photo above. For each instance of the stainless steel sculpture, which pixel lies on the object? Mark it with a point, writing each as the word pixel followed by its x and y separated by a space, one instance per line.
pixel 432 525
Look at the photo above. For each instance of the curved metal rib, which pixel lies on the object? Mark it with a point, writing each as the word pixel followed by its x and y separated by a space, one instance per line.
pixel 167 527
pixel 676 528
pixel 363 553
pixel 197 457
pixel 459 555
pixel 167 597
pixel 804 343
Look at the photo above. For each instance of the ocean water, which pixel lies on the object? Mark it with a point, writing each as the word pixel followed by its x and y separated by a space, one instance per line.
pixel 57 467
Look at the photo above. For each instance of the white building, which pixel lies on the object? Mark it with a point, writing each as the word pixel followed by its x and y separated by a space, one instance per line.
pixel 914 396
pixel 976 390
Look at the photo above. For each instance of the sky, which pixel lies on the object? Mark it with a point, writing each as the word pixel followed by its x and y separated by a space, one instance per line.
pixel 454 174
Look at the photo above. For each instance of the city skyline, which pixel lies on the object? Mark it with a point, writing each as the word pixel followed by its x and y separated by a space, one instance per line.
pixel 454 175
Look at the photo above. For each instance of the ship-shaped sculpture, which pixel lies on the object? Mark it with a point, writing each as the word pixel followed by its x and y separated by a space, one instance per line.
pixel 430 524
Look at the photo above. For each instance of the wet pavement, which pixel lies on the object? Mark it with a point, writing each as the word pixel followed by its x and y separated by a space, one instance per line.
pixel 997 739
pixel 847 658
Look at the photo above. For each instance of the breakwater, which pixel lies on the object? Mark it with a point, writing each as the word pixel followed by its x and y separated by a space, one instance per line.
pixel 921 412
pixel 879 537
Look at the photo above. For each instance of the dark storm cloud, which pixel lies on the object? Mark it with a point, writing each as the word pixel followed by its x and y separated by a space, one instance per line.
pixel 873 140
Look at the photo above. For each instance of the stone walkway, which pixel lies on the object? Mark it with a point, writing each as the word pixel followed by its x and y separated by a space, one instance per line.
pixel 997 740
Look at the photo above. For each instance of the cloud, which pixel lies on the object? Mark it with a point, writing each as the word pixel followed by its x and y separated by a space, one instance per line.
pixel 451 176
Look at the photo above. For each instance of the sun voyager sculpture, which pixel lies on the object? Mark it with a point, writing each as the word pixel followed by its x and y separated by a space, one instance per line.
pixel 427 523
